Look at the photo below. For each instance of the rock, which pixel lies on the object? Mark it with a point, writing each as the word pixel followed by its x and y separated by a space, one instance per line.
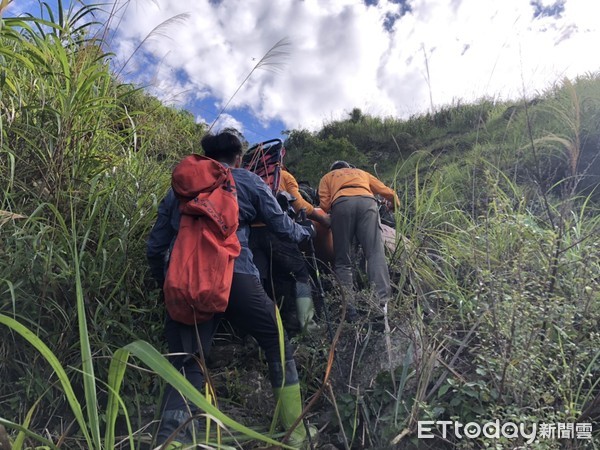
pixel 328 447
pixel 4 441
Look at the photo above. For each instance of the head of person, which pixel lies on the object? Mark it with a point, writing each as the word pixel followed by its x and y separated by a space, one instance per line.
pixel 339 165
pixel 225 147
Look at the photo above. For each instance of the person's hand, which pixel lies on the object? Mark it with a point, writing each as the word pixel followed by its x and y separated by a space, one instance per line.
pixel 326 220
pixel 389 206
pixel 321 217
pixel 309 226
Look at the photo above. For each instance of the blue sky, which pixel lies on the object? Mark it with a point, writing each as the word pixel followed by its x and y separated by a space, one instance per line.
pixel 387 57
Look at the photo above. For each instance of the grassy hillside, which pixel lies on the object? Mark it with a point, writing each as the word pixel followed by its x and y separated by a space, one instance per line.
pixel 496 276
pixel 499 269
pixel 557 131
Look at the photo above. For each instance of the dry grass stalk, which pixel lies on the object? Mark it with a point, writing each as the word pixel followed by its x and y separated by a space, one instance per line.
pixel 6 216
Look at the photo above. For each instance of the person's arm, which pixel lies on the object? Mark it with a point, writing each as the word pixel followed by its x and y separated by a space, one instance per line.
pixel 271 214
pixel 160 238
pixel 377 187
pixel 325 194
pixel 291 185
pixel 324 219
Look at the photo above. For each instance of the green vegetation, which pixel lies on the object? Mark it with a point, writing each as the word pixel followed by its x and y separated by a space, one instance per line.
pixel 83 162
pixel 497 274
pixel 498 269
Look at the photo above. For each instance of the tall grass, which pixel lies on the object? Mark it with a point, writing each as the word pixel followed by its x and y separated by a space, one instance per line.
pixel 502 305
pixel 496 271
pixel 80 178
pixel 495 266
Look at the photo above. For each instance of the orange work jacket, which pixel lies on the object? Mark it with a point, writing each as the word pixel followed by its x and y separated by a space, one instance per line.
pixel 288 183
pixel 349 182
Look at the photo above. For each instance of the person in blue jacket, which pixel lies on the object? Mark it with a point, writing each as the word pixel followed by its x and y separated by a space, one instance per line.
pixel 249 309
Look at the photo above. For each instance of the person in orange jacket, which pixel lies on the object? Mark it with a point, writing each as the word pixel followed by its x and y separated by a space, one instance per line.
pixel 289 184
pixel 348 194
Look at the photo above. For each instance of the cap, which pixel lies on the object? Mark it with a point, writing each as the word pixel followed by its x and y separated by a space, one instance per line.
pixel 339 165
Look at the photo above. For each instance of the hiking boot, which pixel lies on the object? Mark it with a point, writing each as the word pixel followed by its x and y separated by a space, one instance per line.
pixel 174 423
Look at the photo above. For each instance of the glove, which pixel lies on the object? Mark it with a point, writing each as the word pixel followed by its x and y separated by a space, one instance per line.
pixel 310 227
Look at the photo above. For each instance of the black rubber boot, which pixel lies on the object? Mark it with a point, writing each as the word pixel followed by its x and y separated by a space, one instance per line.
pixel 176 423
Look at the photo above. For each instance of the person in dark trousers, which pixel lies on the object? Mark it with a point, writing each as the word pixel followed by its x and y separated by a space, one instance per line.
pixel 249 308
pixel 347 193
pixel 277 258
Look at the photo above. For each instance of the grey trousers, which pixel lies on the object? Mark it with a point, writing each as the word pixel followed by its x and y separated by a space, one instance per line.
pixel 359 217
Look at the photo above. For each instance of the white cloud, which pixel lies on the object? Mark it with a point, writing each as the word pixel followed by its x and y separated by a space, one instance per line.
pixel 22 7
pixel 341 56
pixel 224 121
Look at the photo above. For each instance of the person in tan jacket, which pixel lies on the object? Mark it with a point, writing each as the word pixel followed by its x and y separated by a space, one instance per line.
pixel 289 184
pixel 348 194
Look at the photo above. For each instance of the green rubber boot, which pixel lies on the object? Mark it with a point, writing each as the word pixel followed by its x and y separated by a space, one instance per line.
pixel 305 310
pixel 289 405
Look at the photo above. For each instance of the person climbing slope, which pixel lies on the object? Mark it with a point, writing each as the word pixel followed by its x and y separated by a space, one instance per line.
pixel 347 193
pixel 281 258
pixel 249 308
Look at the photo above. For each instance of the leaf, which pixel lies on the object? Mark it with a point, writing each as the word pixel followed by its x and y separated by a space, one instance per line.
pixel 89 379
pixel 153 359
pixel 31 434
pixel 443 390
pixel 20 440
pixel 116 372
pixel 56 366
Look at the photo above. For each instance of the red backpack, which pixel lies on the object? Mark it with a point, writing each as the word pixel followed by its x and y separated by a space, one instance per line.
pixel 198 279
